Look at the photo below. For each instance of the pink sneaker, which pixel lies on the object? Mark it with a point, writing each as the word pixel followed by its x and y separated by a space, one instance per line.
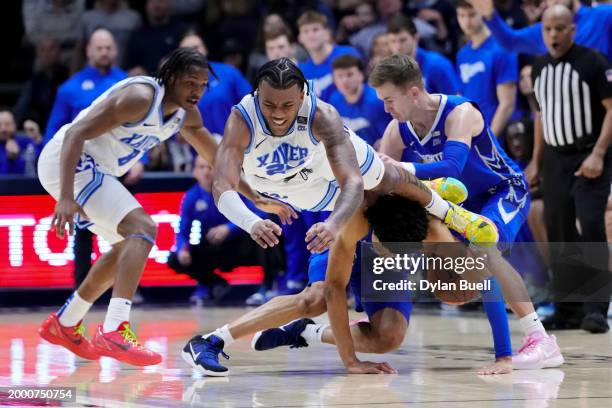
pixel 539 350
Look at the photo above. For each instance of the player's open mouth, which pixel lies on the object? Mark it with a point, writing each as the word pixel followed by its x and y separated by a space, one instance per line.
pixel 279 122
pixel 192 101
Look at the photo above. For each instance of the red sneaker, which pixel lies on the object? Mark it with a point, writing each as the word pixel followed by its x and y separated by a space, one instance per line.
pixel 122 345
pixel 72 337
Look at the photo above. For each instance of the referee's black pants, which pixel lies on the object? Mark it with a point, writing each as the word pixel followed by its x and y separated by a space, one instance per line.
pixel 581 277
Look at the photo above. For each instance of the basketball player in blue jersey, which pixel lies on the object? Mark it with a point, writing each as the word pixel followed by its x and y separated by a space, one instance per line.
pixel 443 135
pixel 293 147
pixel 388 218
pixel 79 168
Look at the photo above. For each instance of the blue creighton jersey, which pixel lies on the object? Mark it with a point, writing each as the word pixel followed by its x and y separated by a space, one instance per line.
pixel 366 117
pixel 487 164
pixel 321 74
pixel 482 69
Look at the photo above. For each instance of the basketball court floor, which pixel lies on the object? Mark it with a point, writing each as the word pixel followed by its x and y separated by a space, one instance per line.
pixel 436 366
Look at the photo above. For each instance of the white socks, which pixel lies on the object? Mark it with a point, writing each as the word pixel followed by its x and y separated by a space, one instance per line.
pixel 73 310
pixel 118 312
pixel 531 324
pixel 224 334
pixel 438 206
pixel 313 332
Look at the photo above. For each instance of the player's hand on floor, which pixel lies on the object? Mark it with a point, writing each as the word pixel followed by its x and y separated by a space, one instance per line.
pixel 320 236
pixel 64 213
pixel 266 233
pixel 284 211
pixel 369 367
pixel 501 366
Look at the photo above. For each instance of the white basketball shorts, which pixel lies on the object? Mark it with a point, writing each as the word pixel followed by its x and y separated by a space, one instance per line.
pixel 103 198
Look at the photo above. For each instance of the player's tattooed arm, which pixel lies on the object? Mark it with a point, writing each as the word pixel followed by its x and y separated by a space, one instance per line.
pixel 127 105
pixel 337 276
pixel 398 180
pixel 327 127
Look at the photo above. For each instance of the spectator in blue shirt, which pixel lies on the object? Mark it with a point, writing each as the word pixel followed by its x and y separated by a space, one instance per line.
pixel 438 72
pixel 489 74
pixel 221 244
pixel 17 151
pixel 86 85
pixel 315 36
pixel 593 28
pixel 225 88
pixel 356 101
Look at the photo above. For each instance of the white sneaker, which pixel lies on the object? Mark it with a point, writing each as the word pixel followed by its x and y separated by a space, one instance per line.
pixel 539 350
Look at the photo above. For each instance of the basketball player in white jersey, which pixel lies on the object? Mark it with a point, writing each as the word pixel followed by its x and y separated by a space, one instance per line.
pixel 79 166
pixel 294 148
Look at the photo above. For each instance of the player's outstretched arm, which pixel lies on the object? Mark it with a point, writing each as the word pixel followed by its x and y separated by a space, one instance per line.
pixel 526 40
pixel 196 134
pixel 226 178
pixel 337 277
pixel 327 127
pixel 130 104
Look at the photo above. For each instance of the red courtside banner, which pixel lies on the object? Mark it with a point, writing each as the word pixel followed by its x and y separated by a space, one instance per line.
pixel 31 255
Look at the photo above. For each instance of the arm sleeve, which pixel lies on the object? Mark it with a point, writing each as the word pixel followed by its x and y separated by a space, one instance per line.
pixel 455 156
pixel 495 308
pixel 527 40
pixel 60 114
pixel 182 237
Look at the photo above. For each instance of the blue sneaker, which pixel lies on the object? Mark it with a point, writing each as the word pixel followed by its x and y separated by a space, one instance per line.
pixel 287 335
pixel 203 355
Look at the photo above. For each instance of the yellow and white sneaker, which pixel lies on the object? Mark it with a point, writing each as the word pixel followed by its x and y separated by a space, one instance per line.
pixel 476 228
pixel 448 188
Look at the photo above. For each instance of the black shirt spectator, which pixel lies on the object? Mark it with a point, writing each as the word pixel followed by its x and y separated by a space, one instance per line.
pixel 36 99
pixel 156 38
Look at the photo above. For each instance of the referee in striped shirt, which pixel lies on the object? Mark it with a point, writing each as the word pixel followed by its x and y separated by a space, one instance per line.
pixel 573 129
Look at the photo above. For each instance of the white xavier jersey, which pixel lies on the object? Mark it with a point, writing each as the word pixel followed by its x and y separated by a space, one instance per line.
pixel 294 168
pixel 116 151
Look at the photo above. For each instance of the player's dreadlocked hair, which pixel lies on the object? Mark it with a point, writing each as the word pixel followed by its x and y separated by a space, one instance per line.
pixel 178 62
pixel 280 73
